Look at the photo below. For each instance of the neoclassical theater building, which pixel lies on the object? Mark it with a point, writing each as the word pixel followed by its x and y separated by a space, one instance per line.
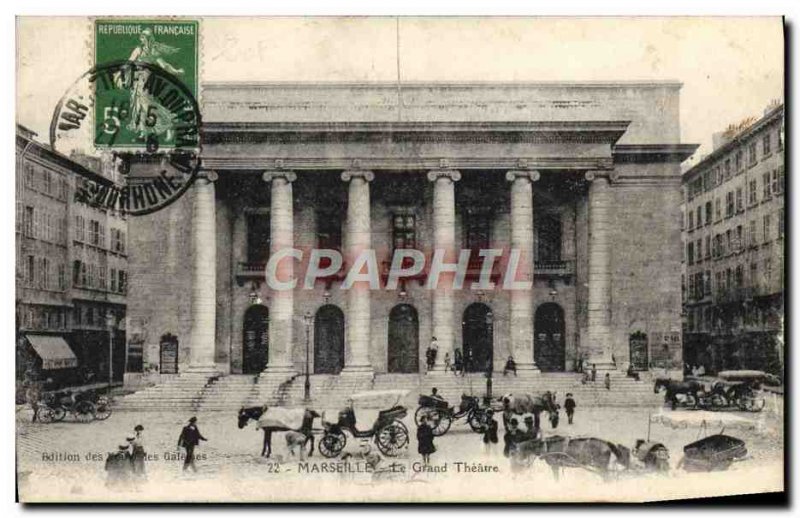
pixel 583 178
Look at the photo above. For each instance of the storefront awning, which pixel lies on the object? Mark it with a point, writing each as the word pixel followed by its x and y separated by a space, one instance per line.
pixel 54 352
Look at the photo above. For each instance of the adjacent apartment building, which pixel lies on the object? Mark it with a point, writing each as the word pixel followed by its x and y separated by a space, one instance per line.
pixel 734 249
pixel 71 270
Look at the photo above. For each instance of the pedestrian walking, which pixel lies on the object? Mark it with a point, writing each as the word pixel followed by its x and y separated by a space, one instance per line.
pixel 490 433
pixel 458 357
pixel 434 351
pixel 569 407
pixel 531 430
pixel 594 372
pixel 425 445
pixel 138 454
pixel 607 381
pixel 190 437
pixel 447 365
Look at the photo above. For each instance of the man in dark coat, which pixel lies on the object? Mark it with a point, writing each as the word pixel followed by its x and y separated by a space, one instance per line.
pixel 569 406
pixel 511 437
pixel 189 438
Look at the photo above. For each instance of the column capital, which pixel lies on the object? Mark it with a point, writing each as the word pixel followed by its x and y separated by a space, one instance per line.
pixel 368 176
pixel 514 174
pixel 452 174
pixel 208 175
pixel 611 176
pixel 269 176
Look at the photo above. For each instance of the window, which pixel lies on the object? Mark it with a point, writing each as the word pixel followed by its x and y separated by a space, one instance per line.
pixel 777 181
pixel 113 277
pixel 780 224
pixel 258 238
pixel 718 208
pixel 709 213
pixel 404 231
pixel 691 220
pixel 766 144
pixel 751 154
pixel 729 204
pixel 739 238
pixel 765 180
pixel 768 269
pixel 739 277
pixel 739 161
pixel 739 200
pixel 753 238
pixel 708 247
pixel 752 194
pixel 780 138
pixel 767 224
pixel 728 242
pixel 699 250
pixel 80 229
pixel 753 274
pixel 699 216
pixel 718 282
pixel 727 168
pixel 29 181
pixel 62 277
pixel 707 282
pixel 28 221
pixel 122 282
pixel 690 255
pixel 48 182
pixel 30 271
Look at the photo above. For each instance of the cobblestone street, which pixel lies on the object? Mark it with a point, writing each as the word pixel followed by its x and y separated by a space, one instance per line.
pixel 68 458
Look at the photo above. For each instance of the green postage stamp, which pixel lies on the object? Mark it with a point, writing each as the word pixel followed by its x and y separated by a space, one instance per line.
pixel 141 108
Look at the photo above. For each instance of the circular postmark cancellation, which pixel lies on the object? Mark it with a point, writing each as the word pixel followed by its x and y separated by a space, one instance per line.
pixel 137 129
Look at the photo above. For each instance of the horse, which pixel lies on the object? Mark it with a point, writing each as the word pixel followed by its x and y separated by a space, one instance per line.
pixel 257 412
pixel 530 404
pixel 567 452
pixel 675 387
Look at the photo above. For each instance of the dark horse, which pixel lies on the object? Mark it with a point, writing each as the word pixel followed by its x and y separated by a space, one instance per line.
pixel 675 387
pixel 530 404
pixel 255 413
pixel 566 452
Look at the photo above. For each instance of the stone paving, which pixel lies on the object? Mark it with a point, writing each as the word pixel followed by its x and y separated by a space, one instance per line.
pixel 68 458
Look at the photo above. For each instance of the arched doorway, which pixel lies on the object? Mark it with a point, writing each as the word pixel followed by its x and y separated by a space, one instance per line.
pixel 403 345
pixel 328 340
pixel 548 327
pixel 255 345
pixel 477 337
pixel 637 343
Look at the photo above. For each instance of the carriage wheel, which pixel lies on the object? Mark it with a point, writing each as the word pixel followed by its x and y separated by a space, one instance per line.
pixel 476 420
pixel 44 414
pixel 718 401
pixel 392 438
pixel 59 413
pixel 84 412
pixel 103 409
pixel 332 444
pixel 691 401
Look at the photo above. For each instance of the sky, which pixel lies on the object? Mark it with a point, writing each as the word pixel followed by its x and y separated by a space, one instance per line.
pixel 730 67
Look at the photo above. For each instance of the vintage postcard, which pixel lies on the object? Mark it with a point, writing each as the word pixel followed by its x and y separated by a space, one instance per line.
pixel 399 259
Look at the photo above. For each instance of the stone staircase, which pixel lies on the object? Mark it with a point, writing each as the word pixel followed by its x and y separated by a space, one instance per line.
pixel 180 393
pixel 231 392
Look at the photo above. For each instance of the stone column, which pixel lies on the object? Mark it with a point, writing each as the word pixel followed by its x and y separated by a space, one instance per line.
pixel 521 318
pixel 281 305
pixel 444 238
pixel 357 239
pixel 599 344
pixel 202 339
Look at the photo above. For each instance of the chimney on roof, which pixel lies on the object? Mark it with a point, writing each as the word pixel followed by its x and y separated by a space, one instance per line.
pixel 720 138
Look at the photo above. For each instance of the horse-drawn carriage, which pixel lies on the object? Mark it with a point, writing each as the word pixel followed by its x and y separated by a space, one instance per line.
pixel 388 431
pixel 84 406
pixel 441 415
pixel 713 453
pixel 738 389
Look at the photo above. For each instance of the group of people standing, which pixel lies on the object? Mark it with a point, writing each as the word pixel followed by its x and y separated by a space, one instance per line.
pixel 126 466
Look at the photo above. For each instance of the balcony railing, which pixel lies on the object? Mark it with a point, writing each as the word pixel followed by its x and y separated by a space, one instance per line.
pixel 554 268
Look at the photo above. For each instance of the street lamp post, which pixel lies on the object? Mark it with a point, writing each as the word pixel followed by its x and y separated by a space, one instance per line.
pixel 110 325
pixel 307 318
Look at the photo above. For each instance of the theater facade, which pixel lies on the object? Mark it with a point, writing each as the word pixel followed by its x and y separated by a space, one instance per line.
pixel 582 178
